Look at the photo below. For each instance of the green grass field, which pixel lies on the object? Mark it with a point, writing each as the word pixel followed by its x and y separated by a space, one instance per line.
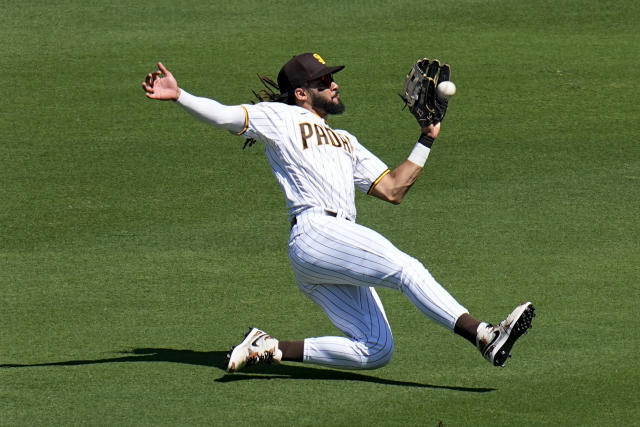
pixel 137 244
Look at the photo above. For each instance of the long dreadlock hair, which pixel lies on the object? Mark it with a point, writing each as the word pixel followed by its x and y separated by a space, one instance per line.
pixel 270 93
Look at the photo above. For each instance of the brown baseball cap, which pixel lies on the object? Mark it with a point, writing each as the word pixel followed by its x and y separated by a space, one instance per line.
pixel 301 69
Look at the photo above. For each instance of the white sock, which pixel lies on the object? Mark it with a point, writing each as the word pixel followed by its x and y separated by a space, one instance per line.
pixel 482 334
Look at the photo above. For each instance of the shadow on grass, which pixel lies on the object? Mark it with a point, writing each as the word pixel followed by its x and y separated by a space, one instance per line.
pixel 217 358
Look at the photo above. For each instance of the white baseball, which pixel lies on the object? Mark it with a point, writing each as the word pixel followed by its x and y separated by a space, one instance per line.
pixel 446 89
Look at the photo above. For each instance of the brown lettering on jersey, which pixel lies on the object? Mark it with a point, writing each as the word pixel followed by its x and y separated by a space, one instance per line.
pixel 306 132
pixel 346 143
pixel 335 141
pixel 321 136
pixel 324 136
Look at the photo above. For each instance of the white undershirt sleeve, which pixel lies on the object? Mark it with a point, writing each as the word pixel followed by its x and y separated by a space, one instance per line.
pixel 230 117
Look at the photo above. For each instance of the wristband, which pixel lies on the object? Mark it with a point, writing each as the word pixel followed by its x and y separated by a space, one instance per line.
pixel 426 140
pixel 419 154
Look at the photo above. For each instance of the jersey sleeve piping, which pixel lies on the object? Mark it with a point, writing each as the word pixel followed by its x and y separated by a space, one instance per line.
pixel 246 121
pixel 378 180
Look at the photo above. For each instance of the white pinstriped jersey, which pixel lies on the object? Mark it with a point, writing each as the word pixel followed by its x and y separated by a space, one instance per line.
pixel 315 165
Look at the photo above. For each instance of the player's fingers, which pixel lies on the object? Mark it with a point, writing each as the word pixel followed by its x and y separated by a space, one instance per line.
pixel 150 79
pixel 162 68
pixel 150 93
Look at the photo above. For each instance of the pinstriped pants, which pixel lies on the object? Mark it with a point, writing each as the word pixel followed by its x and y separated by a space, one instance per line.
pixel 337 264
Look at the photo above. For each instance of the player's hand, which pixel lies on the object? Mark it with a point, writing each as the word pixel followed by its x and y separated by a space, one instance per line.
pixel 161 85
pixel 432 130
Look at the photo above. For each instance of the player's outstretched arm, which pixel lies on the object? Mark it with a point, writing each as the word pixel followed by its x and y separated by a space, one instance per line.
pixel 161 85
pixel 395 185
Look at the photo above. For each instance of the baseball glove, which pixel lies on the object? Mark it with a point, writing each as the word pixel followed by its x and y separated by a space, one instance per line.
pixel 420 91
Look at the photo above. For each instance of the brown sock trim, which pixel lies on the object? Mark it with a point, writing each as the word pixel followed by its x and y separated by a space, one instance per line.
pixel 292 351
pixel 467 327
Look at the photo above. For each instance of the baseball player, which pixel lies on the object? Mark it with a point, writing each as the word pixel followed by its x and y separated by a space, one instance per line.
pixel 338 263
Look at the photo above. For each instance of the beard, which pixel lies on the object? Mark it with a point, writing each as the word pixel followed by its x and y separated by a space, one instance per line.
pixel 319 103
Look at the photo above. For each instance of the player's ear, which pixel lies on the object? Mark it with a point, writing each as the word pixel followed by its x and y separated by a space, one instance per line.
pixel 301 94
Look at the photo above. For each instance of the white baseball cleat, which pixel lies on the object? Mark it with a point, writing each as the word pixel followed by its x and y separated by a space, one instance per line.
pixel 257 347
pixel 495 342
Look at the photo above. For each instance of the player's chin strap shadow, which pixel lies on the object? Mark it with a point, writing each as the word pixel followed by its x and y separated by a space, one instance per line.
pixel 216 358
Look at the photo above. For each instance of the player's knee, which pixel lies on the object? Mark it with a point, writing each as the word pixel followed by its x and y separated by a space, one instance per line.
pixel 413 271
pixel 378 354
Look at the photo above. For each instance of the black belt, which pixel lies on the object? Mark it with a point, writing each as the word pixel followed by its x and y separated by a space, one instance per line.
pixel 294 221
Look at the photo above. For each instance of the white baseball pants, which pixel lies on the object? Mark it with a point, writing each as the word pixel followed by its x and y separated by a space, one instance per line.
pixel 337 263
